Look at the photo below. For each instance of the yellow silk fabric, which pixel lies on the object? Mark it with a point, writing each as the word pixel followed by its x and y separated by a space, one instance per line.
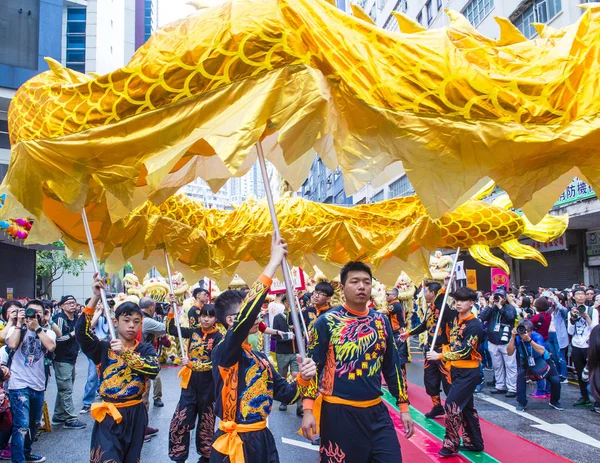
pixel 453 106
pixel 392 235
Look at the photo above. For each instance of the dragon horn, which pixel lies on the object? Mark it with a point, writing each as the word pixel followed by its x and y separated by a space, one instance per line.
pixel 483 254
pixel 518 250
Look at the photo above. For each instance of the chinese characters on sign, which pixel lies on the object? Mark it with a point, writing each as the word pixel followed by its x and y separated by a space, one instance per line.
pixel 278 287
pixel 499 278
pixel 592 241
pixel 577 190
pixel 558 244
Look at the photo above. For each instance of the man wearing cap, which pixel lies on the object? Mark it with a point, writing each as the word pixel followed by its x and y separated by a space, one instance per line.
pixel 65 357
pixel 500 318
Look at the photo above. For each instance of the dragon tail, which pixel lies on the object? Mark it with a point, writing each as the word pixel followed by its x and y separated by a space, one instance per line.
pixel 483 254
pixel 517 250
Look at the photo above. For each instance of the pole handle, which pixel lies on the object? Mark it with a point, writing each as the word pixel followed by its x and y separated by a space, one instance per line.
pixel 287 276
pixel 88 234
pixel 439 322
pixel 175 309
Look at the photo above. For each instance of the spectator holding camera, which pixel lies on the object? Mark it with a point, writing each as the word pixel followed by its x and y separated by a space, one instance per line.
pixel 592 371
pixel 533 361
pixel 29 343
pixel 500 318
pixel 65 357
pixel 581 321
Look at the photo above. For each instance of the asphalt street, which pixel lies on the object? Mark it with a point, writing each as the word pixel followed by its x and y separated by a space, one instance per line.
pixel 73 446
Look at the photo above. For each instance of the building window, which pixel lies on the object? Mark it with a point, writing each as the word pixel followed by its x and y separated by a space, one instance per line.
pixel 420 18
pixel 439 5
pixel 76 18
pixel 429 12
pixel 341 4
pixel 401 187
pixel 377 197
pixel 149 23
pixel 391 24
pixel 373 12
pixel 381 4
pixel 538 11
pixel 477 10
pixel 19 33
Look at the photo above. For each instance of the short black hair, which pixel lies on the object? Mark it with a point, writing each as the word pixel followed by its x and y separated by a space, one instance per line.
pixel 227 304
pixel 541 304
pixel 8 304
pixel 208 310
pixel 128 308
pixel 87 301
pixel 355 266
pixel 35 302
pixel 525 302
pixel 576 289
pixel 464 293
pixel 325 287
pixel 198 291
pixel 433 286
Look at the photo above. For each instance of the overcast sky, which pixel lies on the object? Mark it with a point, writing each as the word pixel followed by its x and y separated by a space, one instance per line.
pixel 170 10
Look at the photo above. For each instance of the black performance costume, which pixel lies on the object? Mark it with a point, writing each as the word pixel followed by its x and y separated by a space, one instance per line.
pixel 246 385
pixel 434 371
pixel 352 351
pixel 464 358
pixel 197 400
pixel 121 418
pixel 397 317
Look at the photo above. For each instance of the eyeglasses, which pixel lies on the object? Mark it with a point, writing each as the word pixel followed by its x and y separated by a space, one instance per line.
pixel 320 294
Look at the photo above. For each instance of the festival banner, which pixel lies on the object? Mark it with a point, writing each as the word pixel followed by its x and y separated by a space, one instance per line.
pixel 472 279
pixel 278 287
pixel 499 278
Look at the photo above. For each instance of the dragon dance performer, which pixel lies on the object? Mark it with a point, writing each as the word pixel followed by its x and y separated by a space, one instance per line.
pixel 352 347
pixel 396 313
pixel 435 372
pixel 246 382
pixel 197 398
pixel 125 365
pixel 466 333
pixel 320 299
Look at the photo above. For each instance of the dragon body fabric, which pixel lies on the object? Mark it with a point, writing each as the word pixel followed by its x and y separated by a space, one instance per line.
pixel 392 235
pixel 454 107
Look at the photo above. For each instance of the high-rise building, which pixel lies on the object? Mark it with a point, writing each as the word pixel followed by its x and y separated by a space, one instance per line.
pixel 572 258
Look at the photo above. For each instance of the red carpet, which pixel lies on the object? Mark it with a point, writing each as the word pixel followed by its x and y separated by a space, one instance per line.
pixel 499 443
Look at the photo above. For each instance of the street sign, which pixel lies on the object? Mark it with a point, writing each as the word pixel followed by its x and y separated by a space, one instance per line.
pixel 9 293
pixel 499 278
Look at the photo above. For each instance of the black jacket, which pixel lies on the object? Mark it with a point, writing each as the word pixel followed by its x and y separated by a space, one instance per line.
pixel 502 318
pixel 281 323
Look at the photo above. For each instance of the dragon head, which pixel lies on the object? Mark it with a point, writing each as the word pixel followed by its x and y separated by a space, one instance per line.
pixel 406 288
pixel 156 288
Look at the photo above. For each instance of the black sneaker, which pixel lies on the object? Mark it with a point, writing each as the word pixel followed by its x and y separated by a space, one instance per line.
pixel 57 422
pixel 510 394
pixel 32 458
pixel 282 407
pixel 446 453
pixel 520 408
pixel 557 406
pixel 75 424
pixel 85 409
pixel 159 403
pixel 582 403
pixel 498 391
pixel 436 411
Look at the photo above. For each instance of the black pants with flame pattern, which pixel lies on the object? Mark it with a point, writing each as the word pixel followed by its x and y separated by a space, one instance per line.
pixel 436 374
pixel 358 435
pixel 259 447
pixel 120 442
pixel 460 410
pixel 197 402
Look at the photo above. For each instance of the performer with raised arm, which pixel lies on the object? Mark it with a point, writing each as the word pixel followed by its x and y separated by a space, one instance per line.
pixel 246 382
pixel 352 347
pixel 466 333
pixel 197 400
pixel 124 366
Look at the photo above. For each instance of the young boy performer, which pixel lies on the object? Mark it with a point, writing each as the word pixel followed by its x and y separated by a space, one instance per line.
pixel 197 387
pixel 125 365
pixel 320 299
pixel 352 347
pixel 246 382
pixel 434 372
pixel 466 333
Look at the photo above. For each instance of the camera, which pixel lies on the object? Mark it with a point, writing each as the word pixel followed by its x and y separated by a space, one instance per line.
pixel 30 313
pixel 496 298
pixel 521 329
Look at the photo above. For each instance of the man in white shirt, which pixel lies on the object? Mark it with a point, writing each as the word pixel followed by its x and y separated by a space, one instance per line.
pixel 27 383
pixel 581 321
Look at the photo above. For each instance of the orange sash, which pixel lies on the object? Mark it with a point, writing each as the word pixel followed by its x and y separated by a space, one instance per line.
pixel 101 409
pixel 185 374
pixel 230 443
